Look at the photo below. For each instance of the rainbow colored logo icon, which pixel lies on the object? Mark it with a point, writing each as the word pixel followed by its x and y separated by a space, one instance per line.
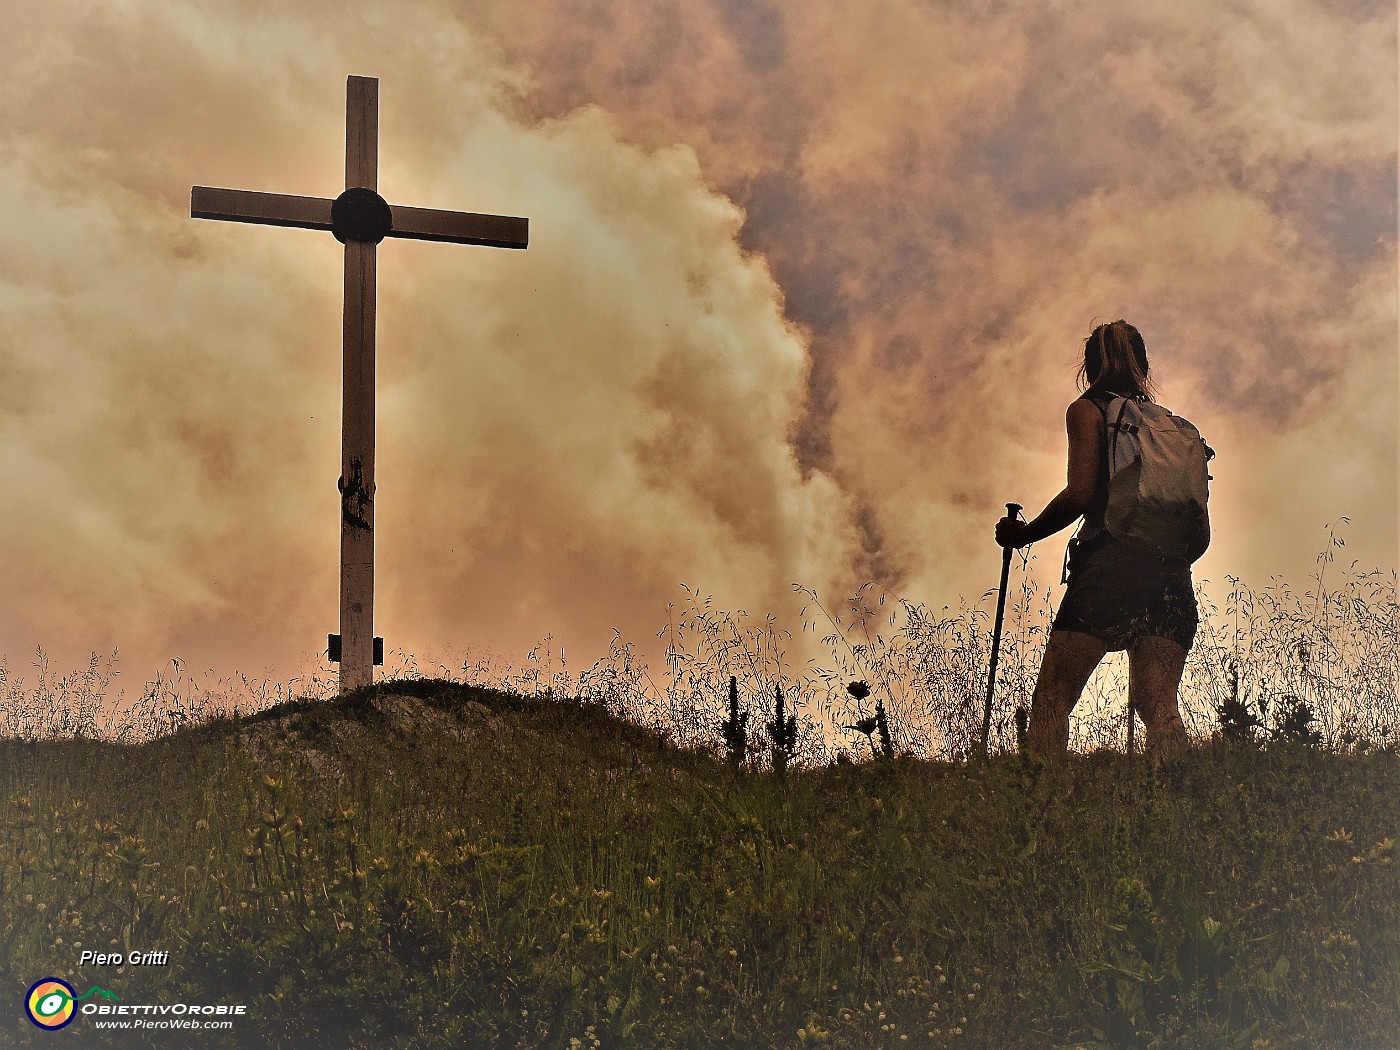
pixel 49 1003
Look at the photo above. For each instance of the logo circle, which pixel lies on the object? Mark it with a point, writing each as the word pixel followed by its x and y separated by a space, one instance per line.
pixel 49 1003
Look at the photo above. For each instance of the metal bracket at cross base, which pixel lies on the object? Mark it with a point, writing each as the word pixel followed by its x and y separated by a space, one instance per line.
pixel 333 650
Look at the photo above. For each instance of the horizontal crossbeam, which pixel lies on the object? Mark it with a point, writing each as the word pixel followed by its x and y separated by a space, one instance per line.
pixel 314 213
pixel 269 209
pixel 460 227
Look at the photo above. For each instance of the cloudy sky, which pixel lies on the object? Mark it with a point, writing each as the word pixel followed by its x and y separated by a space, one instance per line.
pixel 802 303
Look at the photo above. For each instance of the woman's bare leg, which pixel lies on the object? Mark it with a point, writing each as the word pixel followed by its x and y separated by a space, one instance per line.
pixel 1070 658
pixel 1155 666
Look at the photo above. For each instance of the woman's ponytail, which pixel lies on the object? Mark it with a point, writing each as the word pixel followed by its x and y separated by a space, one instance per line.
pixel 1115 358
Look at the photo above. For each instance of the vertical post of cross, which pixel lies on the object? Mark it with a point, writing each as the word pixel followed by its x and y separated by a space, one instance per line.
pixel 357 405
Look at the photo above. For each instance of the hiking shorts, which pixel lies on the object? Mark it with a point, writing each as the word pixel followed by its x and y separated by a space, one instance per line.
pixel 1119 594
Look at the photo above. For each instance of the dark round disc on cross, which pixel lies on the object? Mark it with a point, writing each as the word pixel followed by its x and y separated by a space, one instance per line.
pixel 361 215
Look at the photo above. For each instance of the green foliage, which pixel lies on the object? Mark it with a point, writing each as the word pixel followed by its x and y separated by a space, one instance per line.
pixel 429 865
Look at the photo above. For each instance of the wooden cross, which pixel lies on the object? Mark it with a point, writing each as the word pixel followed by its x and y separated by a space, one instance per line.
pixel 359 218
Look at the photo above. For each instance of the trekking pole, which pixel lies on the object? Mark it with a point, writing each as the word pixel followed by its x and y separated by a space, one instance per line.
pixel 1012 509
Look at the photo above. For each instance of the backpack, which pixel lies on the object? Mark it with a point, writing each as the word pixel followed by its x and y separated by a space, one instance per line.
pixel 1158 480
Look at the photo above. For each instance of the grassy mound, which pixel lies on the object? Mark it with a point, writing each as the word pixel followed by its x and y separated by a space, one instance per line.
pixel 428 864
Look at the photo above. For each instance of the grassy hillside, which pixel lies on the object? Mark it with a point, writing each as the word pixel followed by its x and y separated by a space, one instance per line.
pixel 431 864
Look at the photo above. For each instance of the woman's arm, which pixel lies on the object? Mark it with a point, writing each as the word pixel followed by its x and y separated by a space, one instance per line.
pixel 1084 428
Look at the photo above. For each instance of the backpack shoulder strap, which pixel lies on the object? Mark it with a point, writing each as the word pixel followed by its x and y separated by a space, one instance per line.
pixel 1100 401
pixel 1114 429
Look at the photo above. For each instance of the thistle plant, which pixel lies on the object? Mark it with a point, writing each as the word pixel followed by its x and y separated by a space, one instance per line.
pixel 1296 723
pixel 1238 724
pixel 1023 728
pixel 860 690
pixel 735 728
pixel 782 731
pixel 874 724
pixel 883 728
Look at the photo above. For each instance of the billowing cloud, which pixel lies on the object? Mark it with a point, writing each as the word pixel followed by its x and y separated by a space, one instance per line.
pixel 952 197
pixel 564 433
pixel 802 301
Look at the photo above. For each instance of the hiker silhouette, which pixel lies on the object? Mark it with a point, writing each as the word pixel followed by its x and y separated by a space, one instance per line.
pixel 1136 475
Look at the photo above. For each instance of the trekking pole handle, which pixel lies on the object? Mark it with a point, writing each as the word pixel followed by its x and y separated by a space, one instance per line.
pixel 1012 509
